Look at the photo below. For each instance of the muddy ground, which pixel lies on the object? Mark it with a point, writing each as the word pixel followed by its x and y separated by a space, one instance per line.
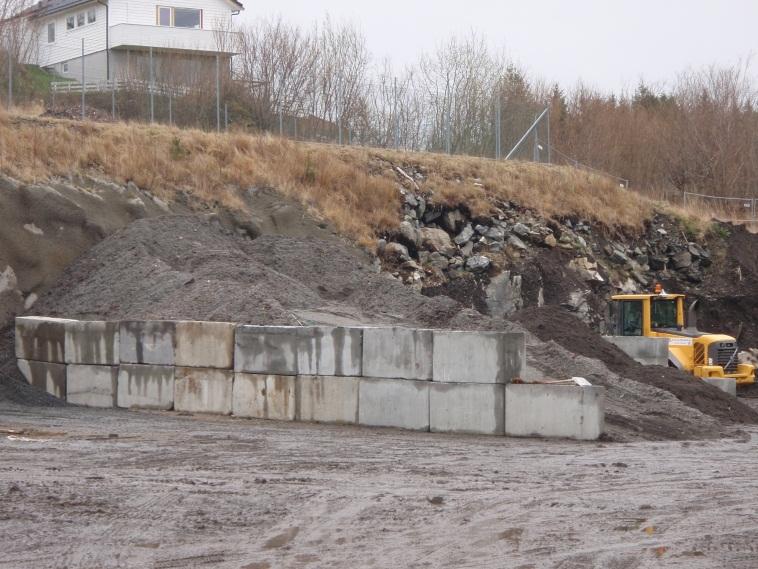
pixel 117 489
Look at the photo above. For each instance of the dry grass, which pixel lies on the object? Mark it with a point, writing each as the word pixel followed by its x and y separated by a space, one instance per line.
pixel 354 188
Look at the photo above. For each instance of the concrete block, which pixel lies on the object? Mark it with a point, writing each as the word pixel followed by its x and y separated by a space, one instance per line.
pixel 401 353
pixel 327 399
pixel 205 345
pixel 264 396
pixel 145 386
pixel 647 351
pixel 564 411
pixel 92 385
pixel 92 343
pixel 726 384
pixel 147 342
pixel 399 403
pixel 330 351
pixel 48 376
pixel 198 390
pixel 467 408
pixel 478 357
pixel 41 339
pixel 268 350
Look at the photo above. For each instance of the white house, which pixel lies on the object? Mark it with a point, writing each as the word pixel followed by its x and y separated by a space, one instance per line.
pixel 118 34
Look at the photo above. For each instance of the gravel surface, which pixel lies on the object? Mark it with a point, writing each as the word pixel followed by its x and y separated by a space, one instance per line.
pixel 117 489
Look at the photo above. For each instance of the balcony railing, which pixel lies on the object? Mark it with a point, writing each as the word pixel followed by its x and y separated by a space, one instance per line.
pixel 180 39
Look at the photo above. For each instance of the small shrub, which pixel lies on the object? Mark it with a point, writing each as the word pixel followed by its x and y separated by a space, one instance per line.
pixel 177 149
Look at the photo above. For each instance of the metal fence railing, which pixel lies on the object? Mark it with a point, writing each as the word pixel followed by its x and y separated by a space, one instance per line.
pixel 740 209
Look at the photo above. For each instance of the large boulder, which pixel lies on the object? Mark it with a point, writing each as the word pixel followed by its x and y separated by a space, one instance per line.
pixel 436 241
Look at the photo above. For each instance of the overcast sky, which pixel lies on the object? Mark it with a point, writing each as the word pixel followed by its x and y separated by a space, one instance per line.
pixel 609 44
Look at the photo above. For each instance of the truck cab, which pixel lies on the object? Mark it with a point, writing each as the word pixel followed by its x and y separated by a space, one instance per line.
pixel 662 315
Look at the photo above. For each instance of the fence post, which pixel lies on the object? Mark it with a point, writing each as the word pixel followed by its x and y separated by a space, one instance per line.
pixel 281 124
pixel 218 93
pixel 498 129
pixel 113 99
pixel 10 79
pixel 397 117
pixel 83 80
pixel 226 116
pixel 549 154
pixel 448 141
pixel 152 88
pixel 294 122
pixel 170 109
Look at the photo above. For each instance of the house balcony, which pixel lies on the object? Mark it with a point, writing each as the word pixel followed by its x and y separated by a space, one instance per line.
pixel 176 39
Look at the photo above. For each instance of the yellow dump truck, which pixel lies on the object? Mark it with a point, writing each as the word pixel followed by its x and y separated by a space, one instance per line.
pixel 662 315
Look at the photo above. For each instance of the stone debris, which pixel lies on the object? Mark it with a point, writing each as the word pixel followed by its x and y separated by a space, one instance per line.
pixel 438 245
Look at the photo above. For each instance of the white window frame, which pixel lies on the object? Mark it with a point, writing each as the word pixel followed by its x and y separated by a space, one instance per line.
pixel 71 22
pixel 93 13
pixel 65 67
pixel 81 17
pixel 172 18
pixel 50 27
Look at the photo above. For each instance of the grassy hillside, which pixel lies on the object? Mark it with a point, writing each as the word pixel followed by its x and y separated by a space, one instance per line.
pixel 354 188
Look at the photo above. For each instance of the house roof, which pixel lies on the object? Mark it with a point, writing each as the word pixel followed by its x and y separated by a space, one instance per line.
pixel 48 7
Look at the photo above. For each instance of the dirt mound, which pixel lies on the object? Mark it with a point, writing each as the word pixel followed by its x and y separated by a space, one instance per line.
pixel 557 324
pixel 192 267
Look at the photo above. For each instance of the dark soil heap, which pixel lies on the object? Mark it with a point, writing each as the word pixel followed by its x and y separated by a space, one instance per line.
pixel 557 324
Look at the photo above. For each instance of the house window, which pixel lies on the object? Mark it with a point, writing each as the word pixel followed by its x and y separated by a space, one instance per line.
pixel 164 16
pixel 188 18
pixel 51 32
pixel 65 68
pixel 180 17
pixel 91 16
pixel 70 22
pixel 80 19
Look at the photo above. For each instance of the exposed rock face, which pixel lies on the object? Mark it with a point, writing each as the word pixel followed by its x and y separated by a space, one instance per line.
pixel 517 258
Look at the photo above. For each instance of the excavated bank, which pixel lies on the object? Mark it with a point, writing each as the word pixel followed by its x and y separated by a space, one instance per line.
pixel 193 267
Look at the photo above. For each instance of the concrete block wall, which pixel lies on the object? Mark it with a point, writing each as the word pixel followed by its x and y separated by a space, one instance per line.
pixel 427 380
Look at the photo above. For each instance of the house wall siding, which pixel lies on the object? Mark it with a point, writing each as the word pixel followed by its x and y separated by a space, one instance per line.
pixel 217 14
pixel 68 43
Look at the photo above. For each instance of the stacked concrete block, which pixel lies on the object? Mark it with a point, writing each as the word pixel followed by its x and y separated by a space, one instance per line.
pixel 146 374
pixel 92 355
pixel 47 376
pixel 145 386
pixel 397 353
pixel 41 339
pixel 147 342
pixel 92 385
pixel 564 411
pixel 40 352
pixel 478 357
pixel 330 351
pixel 647 351
pixel 470 371
pixel 399 403
pixel 725 384
pixel 92 342
pixel 266 350
pixel 203 390
pixel 204 356
pixel 204 344
pixel 467 408
pixel 324 399
pixel 264 396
